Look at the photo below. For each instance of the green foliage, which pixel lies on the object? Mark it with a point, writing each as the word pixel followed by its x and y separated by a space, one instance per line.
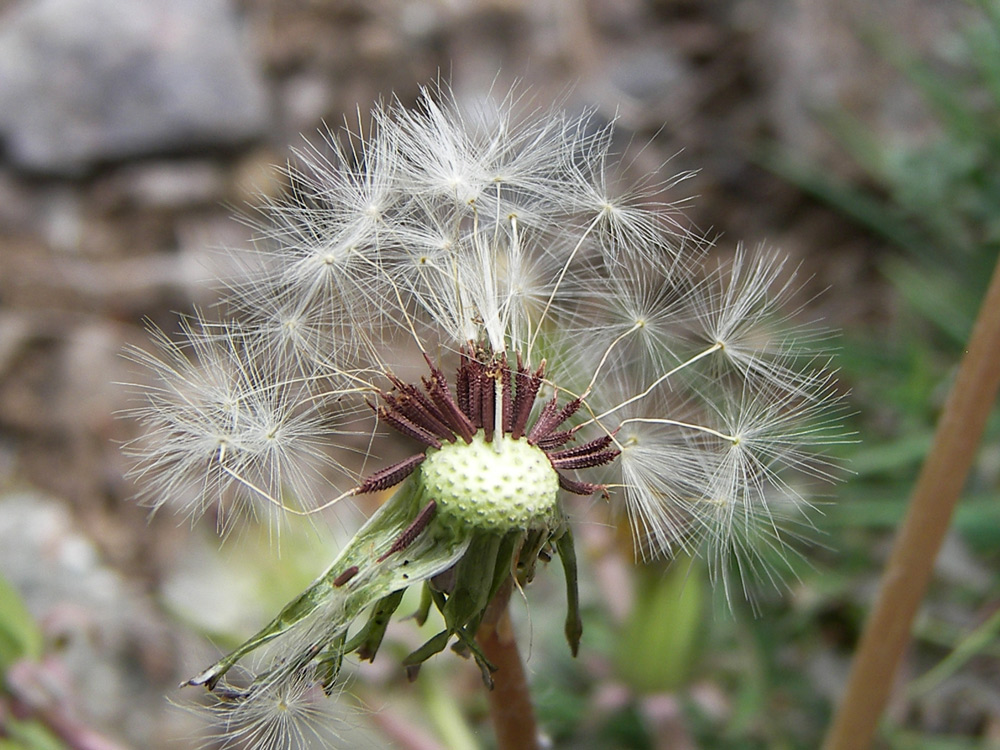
pixel 27 735
pixel 934 196
pixel 660 642
pixel 20 637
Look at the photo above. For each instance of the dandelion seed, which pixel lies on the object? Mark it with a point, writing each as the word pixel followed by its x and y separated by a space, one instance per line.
pixel 224 434
pixel 570 343
pixel 289 710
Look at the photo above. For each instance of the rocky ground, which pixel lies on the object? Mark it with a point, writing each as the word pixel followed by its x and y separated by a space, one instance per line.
pixel 129 131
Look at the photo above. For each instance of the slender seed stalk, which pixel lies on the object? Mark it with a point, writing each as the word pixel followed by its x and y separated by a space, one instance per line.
pixel 511 708
pixel 911 563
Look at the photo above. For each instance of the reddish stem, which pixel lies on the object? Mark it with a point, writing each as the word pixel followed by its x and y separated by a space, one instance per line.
pixel 511 709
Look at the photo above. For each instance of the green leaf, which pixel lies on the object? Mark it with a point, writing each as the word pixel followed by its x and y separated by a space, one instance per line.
pixel 888 457
pixel 20 636
pixel 939 91
pixel 971 645
pixel 28 735
pixel 945 302
pixel 977 518
pixel 867 210
pixel 659 644
pixel 907 740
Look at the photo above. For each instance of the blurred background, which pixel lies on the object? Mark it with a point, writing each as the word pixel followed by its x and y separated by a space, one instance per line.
pixel 862 138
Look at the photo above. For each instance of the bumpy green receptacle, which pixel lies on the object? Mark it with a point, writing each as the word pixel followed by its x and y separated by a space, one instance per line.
pixel 501 486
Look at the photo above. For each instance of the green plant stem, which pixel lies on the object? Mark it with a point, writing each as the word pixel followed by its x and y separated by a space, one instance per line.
pixel 511 709
pixel 911 563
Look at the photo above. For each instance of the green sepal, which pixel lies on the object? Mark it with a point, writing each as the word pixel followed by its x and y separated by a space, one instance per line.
pixel 567 556
pixel 466 645
pixel 471 590
pixel 435 550
pixel 473 581
pixel 528 554
pixel 510 547
pixel 367 641
pixel 328 664
pixel 424 608
pixel 437 643
pixel 432 646
pixel 477 578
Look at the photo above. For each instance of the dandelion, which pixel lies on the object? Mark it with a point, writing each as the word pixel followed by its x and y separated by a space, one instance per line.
pixel 572 341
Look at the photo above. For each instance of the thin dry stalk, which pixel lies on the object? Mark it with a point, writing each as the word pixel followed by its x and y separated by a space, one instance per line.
pixel 911 564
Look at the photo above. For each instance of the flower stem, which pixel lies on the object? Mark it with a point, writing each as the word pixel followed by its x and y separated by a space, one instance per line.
pixel 911 563
pixel 510 700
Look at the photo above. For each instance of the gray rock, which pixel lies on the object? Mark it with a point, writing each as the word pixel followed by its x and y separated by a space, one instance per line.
pixel 84 82
pixel 109 634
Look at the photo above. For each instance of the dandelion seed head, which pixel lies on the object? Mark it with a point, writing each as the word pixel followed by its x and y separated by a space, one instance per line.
pixel 549 305
pixel 460 228
pixel 572 337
